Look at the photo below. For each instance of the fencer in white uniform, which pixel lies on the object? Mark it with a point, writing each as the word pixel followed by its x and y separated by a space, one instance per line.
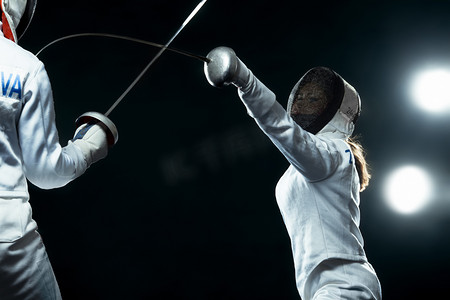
pixel 318 195
pixel 30 149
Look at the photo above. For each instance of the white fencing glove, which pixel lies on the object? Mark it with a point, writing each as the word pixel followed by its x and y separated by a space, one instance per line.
pixel 91 139
pixel 226 68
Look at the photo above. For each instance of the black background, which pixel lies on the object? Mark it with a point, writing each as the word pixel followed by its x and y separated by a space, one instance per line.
pixel 183 207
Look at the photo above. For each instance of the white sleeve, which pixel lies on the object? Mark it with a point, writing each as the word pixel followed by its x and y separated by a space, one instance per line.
pixel 46 164
pixel 310 155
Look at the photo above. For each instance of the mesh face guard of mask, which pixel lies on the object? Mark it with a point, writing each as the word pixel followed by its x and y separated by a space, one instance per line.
pixel 316 98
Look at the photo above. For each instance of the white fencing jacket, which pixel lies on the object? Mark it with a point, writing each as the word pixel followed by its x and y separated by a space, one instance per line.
pixel 29 143
pixel 318 195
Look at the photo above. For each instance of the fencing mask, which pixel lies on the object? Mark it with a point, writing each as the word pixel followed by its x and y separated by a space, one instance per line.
pixel 16 16
pixel 318 96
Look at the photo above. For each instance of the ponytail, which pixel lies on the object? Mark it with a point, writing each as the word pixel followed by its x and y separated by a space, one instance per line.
pixel 361 165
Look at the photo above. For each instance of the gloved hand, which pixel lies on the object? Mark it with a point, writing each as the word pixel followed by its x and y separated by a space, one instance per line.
pixel 92 141
pixel 226 68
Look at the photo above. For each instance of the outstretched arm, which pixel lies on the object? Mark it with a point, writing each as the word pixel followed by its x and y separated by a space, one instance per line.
pixel 313 157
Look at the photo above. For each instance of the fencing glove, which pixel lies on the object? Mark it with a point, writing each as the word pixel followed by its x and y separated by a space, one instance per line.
pixel 92 141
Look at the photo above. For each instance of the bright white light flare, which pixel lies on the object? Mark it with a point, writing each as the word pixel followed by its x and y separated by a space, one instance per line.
pixel 431 90
pixel 408 189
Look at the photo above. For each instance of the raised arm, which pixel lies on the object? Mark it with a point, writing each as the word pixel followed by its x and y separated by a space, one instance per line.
pixel 313 157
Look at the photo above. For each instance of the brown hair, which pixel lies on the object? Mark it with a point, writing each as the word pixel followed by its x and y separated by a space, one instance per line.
pixel 361 164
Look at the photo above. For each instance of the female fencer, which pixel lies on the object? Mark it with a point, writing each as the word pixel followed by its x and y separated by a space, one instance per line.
pixel 318 195
pixel 30 149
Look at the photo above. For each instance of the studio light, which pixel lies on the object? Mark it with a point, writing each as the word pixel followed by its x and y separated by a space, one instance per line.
pixel 430 89
pixel 408 189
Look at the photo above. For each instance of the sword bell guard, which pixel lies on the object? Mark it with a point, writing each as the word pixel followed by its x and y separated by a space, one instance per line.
pixel 108 126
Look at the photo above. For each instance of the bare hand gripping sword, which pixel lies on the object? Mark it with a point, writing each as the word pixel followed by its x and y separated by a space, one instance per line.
pixel 107 124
